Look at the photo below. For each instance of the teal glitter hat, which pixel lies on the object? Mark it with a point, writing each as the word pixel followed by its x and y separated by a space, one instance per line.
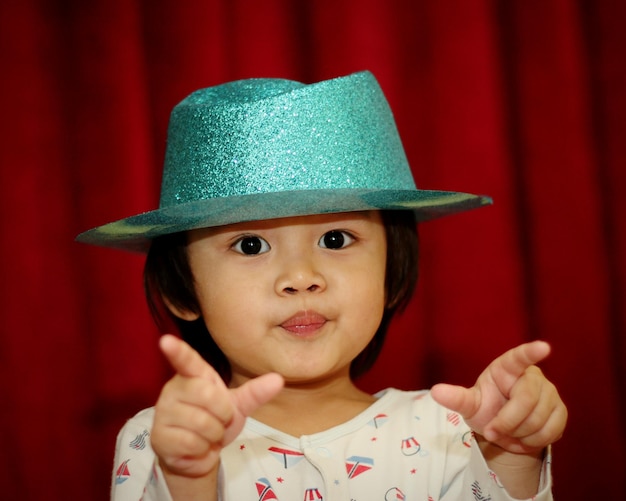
pixel 270 148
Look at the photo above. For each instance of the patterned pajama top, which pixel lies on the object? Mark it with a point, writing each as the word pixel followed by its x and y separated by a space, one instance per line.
pixel 405 446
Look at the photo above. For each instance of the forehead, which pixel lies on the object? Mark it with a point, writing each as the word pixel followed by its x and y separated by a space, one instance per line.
pixel 339 218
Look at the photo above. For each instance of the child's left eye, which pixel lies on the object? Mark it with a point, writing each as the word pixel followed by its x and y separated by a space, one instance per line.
pixel 336 239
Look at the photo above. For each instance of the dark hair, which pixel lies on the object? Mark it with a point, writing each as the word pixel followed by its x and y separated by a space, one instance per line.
pixel 167 275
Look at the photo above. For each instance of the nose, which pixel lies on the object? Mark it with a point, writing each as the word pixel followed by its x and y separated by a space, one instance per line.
pixel 299 275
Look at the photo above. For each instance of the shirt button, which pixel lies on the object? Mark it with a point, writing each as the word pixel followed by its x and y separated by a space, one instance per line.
pixel 324 452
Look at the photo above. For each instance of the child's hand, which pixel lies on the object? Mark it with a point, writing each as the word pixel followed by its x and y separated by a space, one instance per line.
pixel 512 404
pixel 196 414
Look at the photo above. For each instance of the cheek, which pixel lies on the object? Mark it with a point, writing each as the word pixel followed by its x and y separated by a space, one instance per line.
pixel 377 301
pixel 229 306
pixel 368 293
pixel 222 318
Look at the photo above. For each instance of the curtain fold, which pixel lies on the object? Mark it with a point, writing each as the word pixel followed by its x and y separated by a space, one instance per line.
pixel 523 101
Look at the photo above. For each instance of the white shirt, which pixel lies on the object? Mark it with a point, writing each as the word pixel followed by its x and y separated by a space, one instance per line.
pixel 405 446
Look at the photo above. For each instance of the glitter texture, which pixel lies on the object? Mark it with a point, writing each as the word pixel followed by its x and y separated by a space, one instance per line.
pixel 268 148
pixel 224 143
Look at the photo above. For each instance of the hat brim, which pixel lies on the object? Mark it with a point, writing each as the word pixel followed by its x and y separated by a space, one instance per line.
pixel 136 232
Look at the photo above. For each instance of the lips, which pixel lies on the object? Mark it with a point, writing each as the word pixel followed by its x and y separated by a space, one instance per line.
pixel 304 323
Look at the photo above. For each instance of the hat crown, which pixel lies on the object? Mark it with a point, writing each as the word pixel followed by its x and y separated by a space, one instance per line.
pixel 272 135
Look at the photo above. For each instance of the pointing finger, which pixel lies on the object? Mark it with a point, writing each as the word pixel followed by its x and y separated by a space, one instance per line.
pixel 507 369
pixel 185 360
pixel 518 359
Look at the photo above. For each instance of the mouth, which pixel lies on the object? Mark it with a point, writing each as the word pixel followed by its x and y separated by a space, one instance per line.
pixel 304 323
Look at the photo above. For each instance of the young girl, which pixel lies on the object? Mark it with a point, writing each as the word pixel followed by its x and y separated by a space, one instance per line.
pixel 284 243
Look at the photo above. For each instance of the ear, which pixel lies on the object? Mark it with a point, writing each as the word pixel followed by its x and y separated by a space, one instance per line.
pixel 182 313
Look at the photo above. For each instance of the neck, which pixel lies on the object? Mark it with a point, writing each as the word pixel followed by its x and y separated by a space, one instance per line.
pixel 313 407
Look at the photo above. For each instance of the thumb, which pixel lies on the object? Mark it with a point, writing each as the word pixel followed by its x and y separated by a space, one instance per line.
pixel 250 396
pixel 256 392
pixel 465 401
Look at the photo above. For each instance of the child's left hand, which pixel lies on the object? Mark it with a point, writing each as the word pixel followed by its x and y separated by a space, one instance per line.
pixel 512 404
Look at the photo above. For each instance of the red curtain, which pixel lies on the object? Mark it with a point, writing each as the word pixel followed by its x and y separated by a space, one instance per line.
pixel 522 100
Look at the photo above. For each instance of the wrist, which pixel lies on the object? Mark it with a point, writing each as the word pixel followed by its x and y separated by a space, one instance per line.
pixel 494 453
pixel 183 486
pixel 519 473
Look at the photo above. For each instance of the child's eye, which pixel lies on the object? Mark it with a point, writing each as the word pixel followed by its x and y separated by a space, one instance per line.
pixel 336 239
pixel 251 245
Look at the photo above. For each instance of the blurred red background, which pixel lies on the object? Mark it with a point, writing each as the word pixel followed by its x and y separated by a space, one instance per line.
pixel 521 100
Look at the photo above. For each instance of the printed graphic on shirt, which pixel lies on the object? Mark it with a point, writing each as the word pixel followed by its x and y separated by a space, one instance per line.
pixel 154 476
pixel 496 480
pixel 122 473
pixel 264 490
pixel 453 418
pixel 378 421
pixel 139 442
pixel 313 495
pixel 467 438
pixel 394 494
pixel 478 493
pixel 410 446
pixel 355 465
pixel 286 457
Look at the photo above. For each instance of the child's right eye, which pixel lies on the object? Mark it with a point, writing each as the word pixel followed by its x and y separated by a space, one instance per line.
pixel 251 245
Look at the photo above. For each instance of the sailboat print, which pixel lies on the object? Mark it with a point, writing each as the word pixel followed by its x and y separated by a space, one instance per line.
pixel 355 465
pixel 122 473
pixel 264 489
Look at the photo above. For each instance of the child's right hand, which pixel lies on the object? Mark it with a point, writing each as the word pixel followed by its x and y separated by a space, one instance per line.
pixel 196 414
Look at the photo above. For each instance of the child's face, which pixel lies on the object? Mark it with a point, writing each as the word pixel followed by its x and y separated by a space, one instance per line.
pixel 300 296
